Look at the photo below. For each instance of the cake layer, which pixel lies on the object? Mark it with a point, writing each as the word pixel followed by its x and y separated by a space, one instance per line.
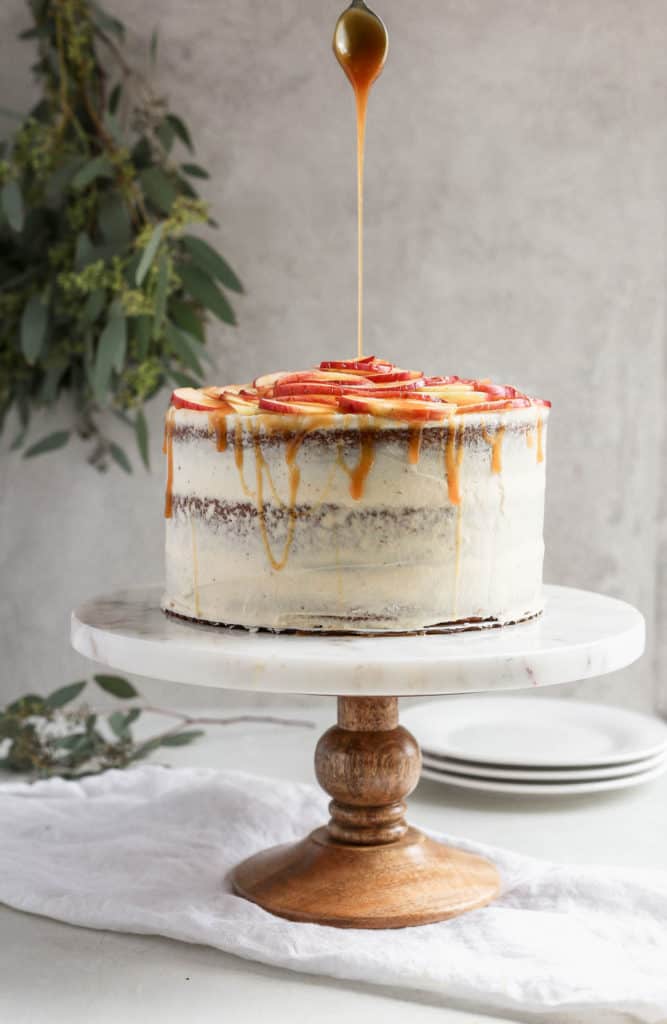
pixel 355 523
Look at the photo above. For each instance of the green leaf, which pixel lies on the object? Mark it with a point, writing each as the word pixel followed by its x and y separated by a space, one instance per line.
pixel 119 456
pixel 187 319
pixel 114 97
pixel 202 288
pixel 12 203
pixel 184 346
pixel 107 22
pixel 182 379
pixel 93 306
pixel 159 188
pixel 148 255
pixel 64 695
pixel 153 46
pixel 141 428
pixel 180 739
pixel 114 220
pixel 142 330
pixel 34 322
pixel 165 133
pixel 48 444
pixel 180 130
pixel 116 686
pixel 195 171
pixel 85 251
pixel 28 704
pixel 161 293
pixel 121 722
pixel 212 262
pixel 98 167
pixel 110 353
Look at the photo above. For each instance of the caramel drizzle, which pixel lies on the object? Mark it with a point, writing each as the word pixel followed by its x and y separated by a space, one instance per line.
pixel 238 459
pixel 530 437
pixel 496 442
pixel 358 474
pixel 217 422
pixel 414 444
pixel 168 450
pixel 540 439
pixel 294 478
pixel 453 459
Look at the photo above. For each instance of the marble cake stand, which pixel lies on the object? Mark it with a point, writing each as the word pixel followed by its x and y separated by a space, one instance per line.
pixel 367 868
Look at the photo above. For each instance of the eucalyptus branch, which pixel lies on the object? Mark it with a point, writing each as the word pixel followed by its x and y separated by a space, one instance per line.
pixel 103 293
pixel 45 736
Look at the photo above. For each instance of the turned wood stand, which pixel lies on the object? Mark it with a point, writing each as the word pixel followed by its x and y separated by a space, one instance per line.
pixel 367 868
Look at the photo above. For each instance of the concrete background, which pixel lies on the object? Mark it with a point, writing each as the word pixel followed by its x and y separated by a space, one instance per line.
pixel 516 176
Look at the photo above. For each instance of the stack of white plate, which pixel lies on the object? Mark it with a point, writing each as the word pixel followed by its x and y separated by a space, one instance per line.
pixel 536 747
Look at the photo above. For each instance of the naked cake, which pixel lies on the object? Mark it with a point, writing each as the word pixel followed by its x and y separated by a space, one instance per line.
pixel 355 497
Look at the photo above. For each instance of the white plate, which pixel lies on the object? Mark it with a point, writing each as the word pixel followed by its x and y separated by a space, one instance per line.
pixel 525 732
pixel 544 788
pixel 616 771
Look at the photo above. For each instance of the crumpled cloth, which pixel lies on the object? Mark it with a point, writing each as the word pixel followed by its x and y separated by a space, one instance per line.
pixel 148 850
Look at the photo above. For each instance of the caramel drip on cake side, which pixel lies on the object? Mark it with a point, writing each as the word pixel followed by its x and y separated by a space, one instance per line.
pixel 453 459
pixel 217 422
pixel 294 478
pixel 168 450
pixel 530 437
pixel 238 459
pixel 414 443
pixel 496 443
pixel 540 439
pixel 358 474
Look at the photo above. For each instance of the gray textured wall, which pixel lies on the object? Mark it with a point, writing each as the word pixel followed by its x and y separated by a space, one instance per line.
pixel 515 228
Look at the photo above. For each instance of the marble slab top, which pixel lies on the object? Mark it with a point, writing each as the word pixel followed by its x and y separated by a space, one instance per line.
pixel 580 635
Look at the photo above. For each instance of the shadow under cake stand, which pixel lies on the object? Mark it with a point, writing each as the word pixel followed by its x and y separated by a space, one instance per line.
pixel 366 868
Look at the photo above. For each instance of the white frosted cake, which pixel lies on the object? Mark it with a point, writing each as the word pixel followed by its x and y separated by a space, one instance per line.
pixel 357 497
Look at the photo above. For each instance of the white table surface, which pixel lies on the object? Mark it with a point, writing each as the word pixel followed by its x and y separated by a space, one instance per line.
pixel 51 972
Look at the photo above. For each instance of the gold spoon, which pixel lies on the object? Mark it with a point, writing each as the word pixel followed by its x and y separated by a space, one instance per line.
pixel 360 43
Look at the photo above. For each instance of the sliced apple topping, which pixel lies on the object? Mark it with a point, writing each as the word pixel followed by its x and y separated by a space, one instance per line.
pixel 365 386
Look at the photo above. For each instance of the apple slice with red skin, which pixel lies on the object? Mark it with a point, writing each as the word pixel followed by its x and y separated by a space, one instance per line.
pixel 365 363
pixel 379 387
pixel 314 387
pixel 396 408
pixel 495 406
pixel 326 376
pixel 195 398
pixel 396 374
pixel 243 403
pixel 269 379
pixel 296 408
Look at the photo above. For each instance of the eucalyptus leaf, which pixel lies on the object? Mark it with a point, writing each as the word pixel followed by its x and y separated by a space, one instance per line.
pixel 180 130
pixel 93 306
pixel 186 318
pixel 212 262
pixel 117 686
pixel 159 188
pixel 161 292
pixel 12 204
pixel 34 322
pixel 65 695
pixel 185 347
pixel 195 171
pixel 204 289
pixel 148 255
pixel 114 219
pixel 180 739
pixel 142 330
pixel 165 133
pixel 115 97
pixel 50 443
pixel 110 354
pixel 98 167
pixel 141 428
pixel 119 456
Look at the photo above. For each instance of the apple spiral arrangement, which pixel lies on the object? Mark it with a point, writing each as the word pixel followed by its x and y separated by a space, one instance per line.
pixel 367 386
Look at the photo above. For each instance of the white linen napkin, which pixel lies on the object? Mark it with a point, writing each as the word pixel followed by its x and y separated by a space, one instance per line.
pixel 148 850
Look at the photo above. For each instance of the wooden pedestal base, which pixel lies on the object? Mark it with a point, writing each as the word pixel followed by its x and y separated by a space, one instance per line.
pixel 367 868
